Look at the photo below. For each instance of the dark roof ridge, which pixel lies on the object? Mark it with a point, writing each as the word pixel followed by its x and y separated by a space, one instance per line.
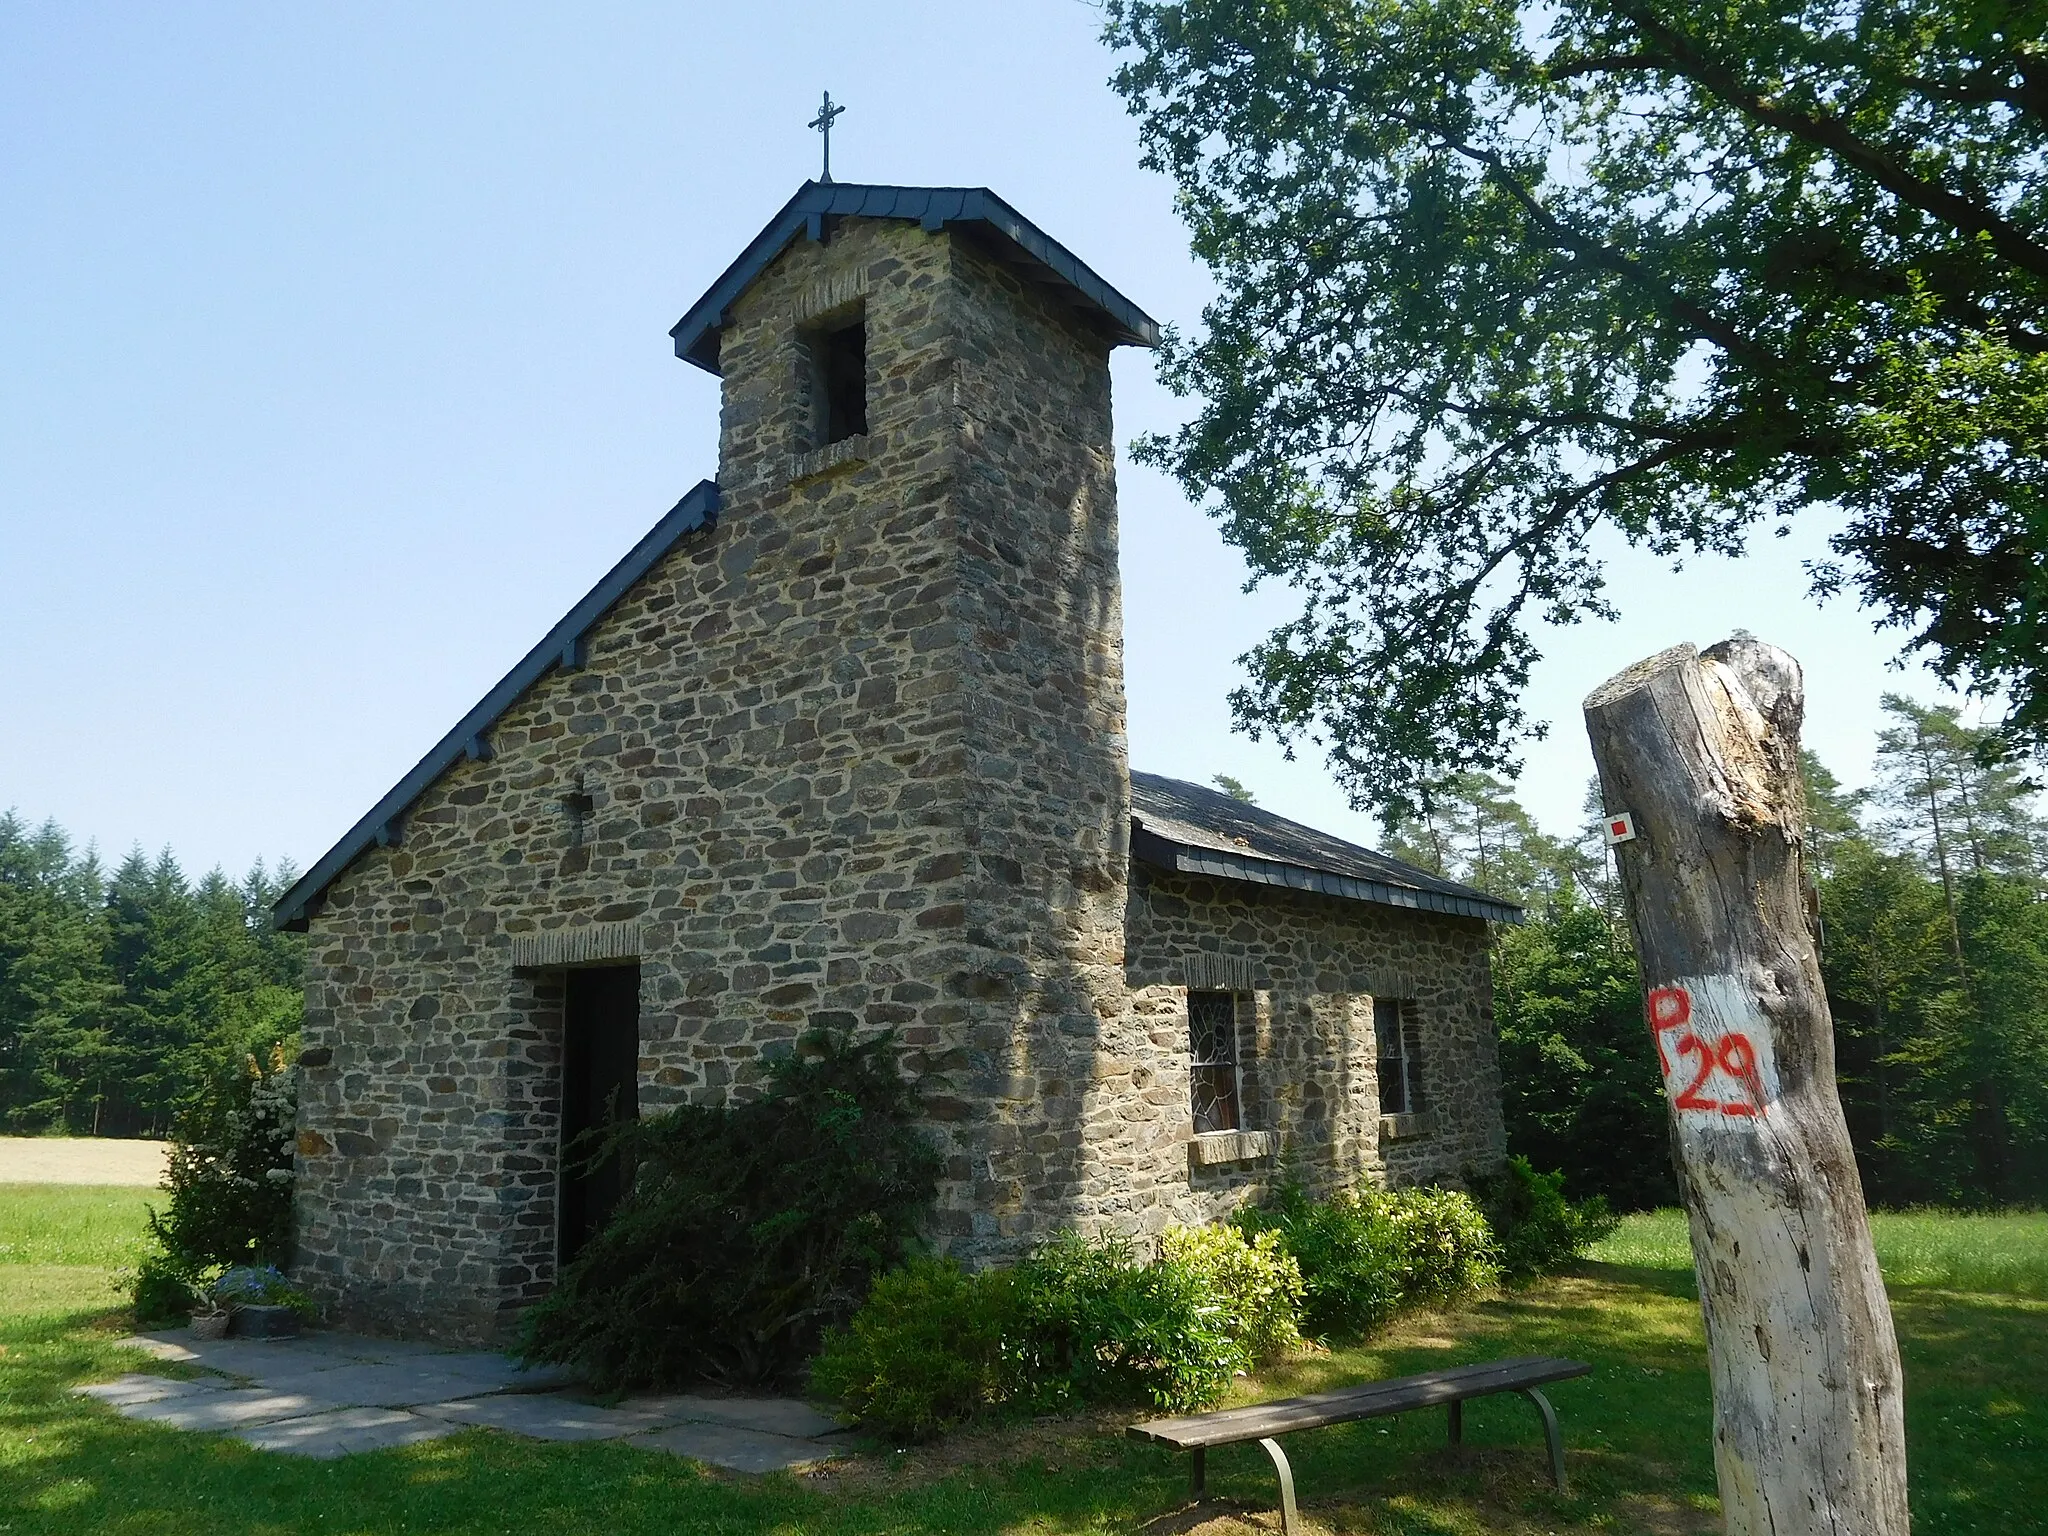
pixel 697 333
pixel 562 647
pixel 1198 830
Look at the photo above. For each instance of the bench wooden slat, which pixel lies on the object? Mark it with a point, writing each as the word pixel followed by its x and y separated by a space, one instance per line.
pixel 1376 1399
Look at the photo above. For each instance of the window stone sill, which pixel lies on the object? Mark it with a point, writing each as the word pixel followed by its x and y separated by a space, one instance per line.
pixel 1406 1127
pixel 822 461
pixel 1208 1147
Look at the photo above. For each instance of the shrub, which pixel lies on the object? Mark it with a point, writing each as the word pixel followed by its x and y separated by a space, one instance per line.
pixel 1351 1256
pixel 1536 1228
pixel 1081 1322
pixel 1095 1325
pixel 924 1354
pixel 749 1229
pixel 1255 1281
pixel 167 1291
pixel 229 1178
pixel 1447 1250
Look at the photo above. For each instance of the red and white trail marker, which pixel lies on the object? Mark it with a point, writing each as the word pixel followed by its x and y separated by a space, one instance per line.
pixel 1620 828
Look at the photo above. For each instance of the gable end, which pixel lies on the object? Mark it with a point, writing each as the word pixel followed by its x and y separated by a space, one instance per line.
pixel 563 647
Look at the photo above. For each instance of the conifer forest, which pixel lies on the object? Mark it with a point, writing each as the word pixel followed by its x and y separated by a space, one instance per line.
pixel 124 992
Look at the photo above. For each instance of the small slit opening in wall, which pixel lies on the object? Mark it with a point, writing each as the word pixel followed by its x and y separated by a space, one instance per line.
pixel 838 355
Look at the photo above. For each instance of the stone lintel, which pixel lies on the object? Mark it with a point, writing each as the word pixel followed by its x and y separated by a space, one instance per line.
pixel 585 944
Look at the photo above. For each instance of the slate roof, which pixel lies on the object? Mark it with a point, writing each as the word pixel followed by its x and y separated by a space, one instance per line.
pixel 1186 827
pixel 562 647
pixel 976 211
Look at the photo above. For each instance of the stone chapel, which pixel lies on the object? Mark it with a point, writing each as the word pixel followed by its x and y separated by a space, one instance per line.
pixel 841 743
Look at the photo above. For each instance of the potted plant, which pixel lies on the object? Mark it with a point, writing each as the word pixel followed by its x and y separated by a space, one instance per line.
pixel 261 1303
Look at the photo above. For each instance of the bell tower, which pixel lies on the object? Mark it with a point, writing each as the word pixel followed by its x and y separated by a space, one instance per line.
pixel 916 413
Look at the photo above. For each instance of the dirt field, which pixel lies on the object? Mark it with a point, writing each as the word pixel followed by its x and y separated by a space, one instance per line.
pixel 81 1160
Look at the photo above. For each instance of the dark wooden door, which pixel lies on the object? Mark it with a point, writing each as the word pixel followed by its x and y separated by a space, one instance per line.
pixel 600 1074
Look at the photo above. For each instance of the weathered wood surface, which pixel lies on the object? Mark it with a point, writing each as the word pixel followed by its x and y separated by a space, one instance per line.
pixel 1703 750
pixel 1375 1399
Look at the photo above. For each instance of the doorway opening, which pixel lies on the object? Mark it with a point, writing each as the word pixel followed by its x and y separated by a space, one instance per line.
pixel 600 1087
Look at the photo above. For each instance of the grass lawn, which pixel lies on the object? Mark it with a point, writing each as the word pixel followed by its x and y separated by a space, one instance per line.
pixel 1968 1293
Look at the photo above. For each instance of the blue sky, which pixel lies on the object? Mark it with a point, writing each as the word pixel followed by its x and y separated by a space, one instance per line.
pixel 334 367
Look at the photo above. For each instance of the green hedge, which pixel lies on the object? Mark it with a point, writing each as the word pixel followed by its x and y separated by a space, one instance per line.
pixel 1536 1228
pixel 1081 1322
pixel 1085 1322
pixel 1367 1252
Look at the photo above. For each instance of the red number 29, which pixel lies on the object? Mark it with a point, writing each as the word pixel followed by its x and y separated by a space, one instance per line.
pixel 1737 1057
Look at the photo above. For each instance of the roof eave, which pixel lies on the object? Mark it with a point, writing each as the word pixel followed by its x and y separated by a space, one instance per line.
pixel 1188 859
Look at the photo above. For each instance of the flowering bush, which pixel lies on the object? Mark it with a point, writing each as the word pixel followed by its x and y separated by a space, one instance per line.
pixel 230 1174
pixel 230 1183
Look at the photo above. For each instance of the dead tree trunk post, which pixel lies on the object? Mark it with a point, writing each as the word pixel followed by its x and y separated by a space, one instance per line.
pixel 1702 752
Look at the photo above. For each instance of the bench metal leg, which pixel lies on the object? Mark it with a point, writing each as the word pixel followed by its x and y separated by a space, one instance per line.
pixel 1550 1434
pixel 1199 1486
pixel 1290 1524
pixel 1457 1423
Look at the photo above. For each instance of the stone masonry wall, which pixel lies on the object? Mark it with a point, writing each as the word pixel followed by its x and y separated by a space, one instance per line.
pixel 1313 965
pixel 1048 812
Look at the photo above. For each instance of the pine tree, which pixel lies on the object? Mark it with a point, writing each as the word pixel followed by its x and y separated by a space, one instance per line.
pixel 1833 814
pixel 1472 829
pixel 54 985
pixel 1957 1056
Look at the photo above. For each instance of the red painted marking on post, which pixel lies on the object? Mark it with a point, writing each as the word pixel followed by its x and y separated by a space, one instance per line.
pixel 1670 1007
pixel 1738 1059
pixel 1690 1044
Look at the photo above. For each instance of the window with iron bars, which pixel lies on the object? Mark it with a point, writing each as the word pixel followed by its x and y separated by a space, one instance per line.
pixel 1398 1034
pixel 1212 1061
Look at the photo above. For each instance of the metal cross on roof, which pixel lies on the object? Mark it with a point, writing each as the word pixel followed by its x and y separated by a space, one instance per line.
pixel 823 123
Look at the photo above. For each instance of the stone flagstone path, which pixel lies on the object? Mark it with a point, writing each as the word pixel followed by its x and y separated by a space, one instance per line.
pixel 332 1394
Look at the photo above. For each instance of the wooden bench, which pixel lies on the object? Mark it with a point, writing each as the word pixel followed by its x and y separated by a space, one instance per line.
pixel 1264 1422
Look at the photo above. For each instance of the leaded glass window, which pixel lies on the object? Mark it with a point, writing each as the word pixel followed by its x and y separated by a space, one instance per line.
pixel 1212 1060
pixel 1398 1034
